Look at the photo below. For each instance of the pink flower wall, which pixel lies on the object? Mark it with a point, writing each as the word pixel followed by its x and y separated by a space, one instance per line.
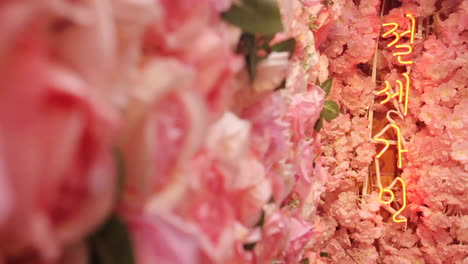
pixel 354 228
pixel 141 132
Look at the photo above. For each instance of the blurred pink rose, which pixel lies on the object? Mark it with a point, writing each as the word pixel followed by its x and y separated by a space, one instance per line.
pixel 300 233
pixel 182 22
pixel 165 123
pixel 303 111
pixel 207 204
pixel 246 181
pixel 56 137
pixel 215 65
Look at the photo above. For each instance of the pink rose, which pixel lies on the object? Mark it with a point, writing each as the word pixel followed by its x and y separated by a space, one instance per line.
pixel 164 239
pixel 274 236
pixel 300 233
pixel 208 205
pixel 165 123
pixel 215 65
pixel 229 141
pixel 303 111
pixel 56 137
pixel 182 22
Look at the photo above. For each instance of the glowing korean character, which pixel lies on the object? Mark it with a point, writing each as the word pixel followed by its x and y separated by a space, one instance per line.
pixel 392 198
pixel 400 148
pixel 407 50
pixel 403 206
pixel 394 27
pixel 403 89
pixel 411 29
pixel 403 49
pixel 393 32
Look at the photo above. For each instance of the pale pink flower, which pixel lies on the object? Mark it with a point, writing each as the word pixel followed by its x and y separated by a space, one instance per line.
pixel 182 22
pixel 462 231
pixel 338 126
pixel 366 232
pixel 228 140
pixel 207 205
pixel 460 151
pixel 274 236
pixel 215 65
pixel 163 115
pixel 434 116
pixel 300 232
pixel 269 133
pixel 252 190
pixel 164 239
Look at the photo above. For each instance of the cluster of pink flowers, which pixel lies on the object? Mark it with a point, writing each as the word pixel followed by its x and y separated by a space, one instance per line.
pixel 217 168
pixel 438 183
pixel 354 228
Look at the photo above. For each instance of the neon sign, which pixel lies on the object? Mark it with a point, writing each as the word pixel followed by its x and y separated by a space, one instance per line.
pixel 399 97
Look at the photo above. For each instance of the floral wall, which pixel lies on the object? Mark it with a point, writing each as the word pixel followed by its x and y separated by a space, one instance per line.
pixel 217 131
pixel 354 227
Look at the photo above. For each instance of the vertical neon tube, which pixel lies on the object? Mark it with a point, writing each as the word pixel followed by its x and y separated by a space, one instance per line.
pixel 403 191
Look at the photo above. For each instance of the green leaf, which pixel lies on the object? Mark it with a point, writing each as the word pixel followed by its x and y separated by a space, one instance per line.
pixel 319 124
pixel 324 254
pixel 247 46
pixel 326 85
pixel 255 16
pixel 304 261
pixel 330 110
pixel 112 244
pixel 287 45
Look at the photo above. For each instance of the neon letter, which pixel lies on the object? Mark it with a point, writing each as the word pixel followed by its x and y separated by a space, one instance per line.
pixel 411 30
pixel 399 146
pixel 403 191
pixel 391 31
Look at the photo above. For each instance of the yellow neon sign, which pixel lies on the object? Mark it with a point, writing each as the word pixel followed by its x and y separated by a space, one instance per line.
pixel 392 195
pixel 411 30
pixel 403 89
pixel 386 92
pixel 392 198
pixel 403 191
pixel 401 93
pixel 405 112
pixel 392 31
pixel 399 144
pixel 407 52
pixel 387 144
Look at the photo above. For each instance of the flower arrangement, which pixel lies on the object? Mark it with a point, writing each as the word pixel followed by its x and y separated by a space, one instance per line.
pixel 217 131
